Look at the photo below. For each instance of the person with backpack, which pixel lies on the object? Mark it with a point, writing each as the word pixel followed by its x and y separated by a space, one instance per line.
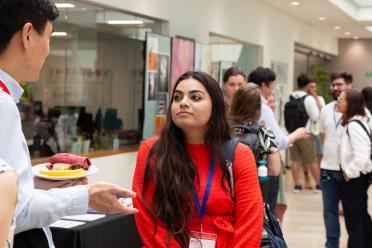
pixel 260 138
pixel 182 180
pixel 356 165
pixel 302 111
pixel 265 79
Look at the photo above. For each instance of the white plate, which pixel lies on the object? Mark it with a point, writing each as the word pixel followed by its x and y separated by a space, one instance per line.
pixel 35 170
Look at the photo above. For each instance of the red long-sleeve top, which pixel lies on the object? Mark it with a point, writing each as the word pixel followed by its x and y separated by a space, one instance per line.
pixel 236 224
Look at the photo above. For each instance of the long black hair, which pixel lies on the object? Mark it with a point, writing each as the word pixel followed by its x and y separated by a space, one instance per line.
pixel 173 171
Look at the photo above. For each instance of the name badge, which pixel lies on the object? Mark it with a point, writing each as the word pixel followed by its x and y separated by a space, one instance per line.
pixel 202 240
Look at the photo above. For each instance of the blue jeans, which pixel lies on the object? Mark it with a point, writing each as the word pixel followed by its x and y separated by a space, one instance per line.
pixel 330 183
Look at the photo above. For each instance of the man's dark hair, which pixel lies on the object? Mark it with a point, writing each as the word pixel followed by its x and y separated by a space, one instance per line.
pixel 233 71
pixel 348 78
pixel 261 76
pixel 14 14
pixel 302 80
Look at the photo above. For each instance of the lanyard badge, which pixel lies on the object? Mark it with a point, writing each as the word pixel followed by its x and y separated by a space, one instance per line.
pixel 202 239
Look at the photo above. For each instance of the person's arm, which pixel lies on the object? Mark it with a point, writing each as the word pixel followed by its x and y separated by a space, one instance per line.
pixel 361 150
pixel 46 207
pixel 268 118
pixel 312 109
pixel 248 205
pixel 269 147
pixel 145 223
pixel 273 164
pixel 299 133
pixel 8 198
pixel 321 122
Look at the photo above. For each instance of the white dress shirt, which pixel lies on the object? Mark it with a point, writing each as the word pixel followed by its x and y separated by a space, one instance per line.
pixel 268 118
pixel 330 126
pixel 35 208
pixel 356 148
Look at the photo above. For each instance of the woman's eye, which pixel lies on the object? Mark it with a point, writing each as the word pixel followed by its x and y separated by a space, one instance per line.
pixel 196 98
pixel 177 98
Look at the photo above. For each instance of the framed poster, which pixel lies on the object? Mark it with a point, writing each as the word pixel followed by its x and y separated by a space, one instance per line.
pixel 157 75
pixel 183 54
pixel 203 60
pixel 281 71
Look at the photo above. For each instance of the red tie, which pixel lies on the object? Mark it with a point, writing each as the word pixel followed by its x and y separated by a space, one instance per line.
pixel 5 89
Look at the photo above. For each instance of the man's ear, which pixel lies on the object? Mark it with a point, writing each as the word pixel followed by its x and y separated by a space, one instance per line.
pixel 26 34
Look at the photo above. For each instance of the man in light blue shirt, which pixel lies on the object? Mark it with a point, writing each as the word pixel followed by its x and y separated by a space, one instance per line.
pixel 264 78
pixel 25 31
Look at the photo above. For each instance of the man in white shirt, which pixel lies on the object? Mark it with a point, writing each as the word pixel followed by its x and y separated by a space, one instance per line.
pixel 331 175
pixel 265 78
pixel 25 31
pixel 303 151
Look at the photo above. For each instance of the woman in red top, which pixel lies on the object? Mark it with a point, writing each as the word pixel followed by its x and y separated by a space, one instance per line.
pixel 181 178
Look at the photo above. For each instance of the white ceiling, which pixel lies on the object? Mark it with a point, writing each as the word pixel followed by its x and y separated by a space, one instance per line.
pixel 350 15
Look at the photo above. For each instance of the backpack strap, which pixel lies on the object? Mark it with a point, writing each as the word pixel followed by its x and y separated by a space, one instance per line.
pixel 252 128
pixel 364 128
pixel 229 159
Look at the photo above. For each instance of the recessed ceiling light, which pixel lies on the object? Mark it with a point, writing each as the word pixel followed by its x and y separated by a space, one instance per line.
pixel 337 27
pixel 356 37
pixel 295 3
pixel 322 18
pixel 125 22
pixel 347 33
pixel 59 34
pixel 65 5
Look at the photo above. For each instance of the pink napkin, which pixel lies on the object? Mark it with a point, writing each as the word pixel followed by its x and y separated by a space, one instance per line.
pixel 70 159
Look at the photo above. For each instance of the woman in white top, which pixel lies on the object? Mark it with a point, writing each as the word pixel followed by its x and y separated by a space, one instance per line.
pixel 356 164
pixel 8 199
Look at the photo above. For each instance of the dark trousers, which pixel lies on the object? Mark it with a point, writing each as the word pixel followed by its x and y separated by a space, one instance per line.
pixel 34 238
pixel 354 200
pixel 330 183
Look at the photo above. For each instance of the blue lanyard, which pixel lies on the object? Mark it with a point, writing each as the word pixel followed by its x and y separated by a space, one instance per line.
pixel 201 211
pixel 334 118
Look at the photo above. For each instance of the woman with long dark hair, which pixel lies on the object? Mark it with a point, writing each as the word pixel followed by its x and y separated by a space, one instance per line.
pixel 356 164
pixel 181 178
pixel 245 111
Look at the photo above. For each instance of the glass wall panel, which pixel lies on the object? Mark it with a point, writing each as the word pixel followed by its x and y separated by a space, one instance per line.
pixel 90 93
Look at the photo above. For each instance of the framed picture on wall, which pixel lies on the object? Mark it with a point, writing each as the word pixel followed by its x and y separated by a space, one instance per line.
pixel 157 81
pixel 203 59
pixel 183 58
pixel 163 73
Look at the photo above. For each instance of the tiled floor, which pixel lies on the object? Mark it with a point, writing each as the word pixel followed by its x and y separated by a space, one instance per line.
pixel 303 225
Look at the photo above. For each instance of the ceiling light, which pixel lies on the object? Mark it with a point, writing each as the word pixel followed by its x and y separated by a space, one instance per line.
pixel 65 5
pixel 322 18
pixel 337 27
pixel 59 34
pixel 125 22
pixel 294 3
pixel 369 28
pixel 347 33
pixel 356 37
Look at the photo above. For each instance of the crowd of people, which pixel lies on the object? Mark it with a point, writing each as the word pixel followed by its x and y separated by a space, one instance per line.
pixel 183 193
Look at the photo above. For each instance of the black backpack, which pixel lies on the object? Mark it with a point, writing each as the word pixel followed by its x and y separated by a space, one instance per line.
pixel 272 236
pixel 295 114
pixel 248 135
pixel 370 138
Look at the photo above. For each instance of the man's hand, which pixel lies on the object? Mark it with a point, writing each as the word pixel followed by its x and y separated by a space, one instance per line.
pixel 302 133
pixel 45 184
pixel 102 197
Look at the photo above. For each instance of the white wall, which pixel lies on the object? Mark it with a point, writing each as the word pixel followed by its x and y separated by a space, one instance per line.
pixel 247 20
pixel 117 169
